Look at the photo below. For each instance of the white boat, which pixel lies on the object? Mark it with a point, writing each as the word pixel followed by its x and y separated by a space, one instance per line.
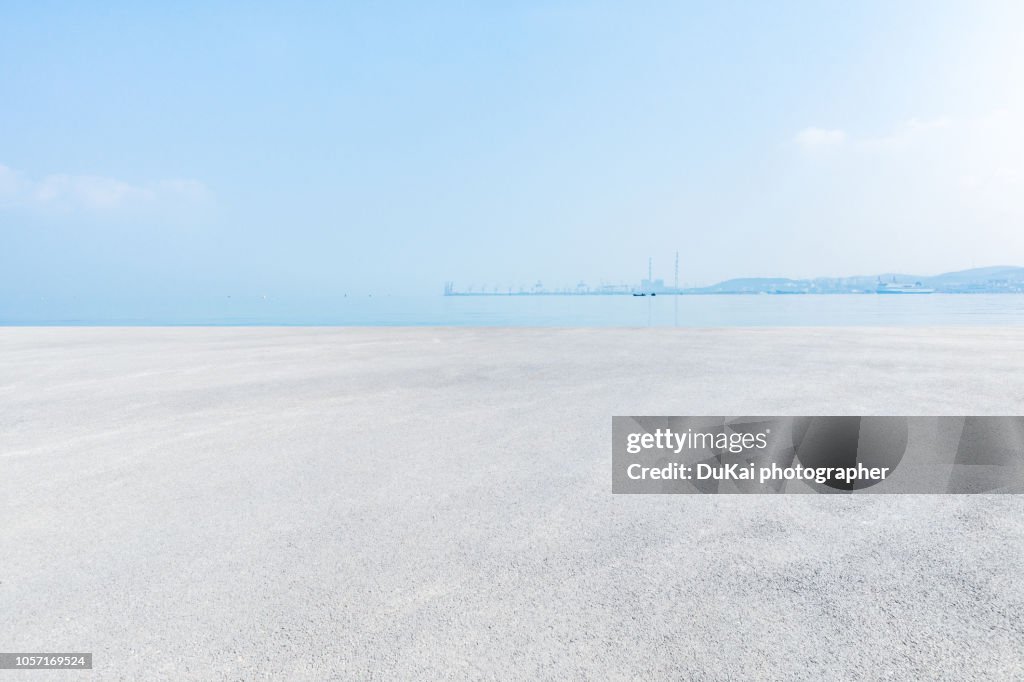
pixel 900 288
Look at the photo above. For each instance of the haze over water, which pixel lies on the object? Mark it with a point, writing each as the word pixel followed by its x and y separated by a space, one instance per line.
pixel 531 311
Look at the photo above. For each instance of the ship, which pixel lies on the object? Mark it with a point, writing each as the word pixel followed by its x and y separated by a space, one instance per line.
pixel 901 288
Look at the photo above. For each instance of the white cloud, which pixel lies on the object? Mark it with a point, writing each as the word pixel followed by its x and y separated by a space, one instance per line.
pixel 819 138
pixel 929 193
pixel 986 149
pixel 812 138
pixel 94 193
pixel 8 182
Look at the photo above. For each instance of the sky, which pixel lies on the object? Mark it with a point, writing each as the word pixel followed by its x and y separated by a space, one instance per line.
pixel 309 149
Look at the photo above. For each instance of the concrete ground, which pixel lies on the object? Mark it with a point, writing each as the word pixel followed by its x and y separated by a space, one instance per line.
pixel 371 503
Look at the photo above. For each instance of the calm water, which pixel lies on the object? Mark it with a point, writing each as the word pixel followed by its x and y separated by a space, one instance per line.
pixel 588 311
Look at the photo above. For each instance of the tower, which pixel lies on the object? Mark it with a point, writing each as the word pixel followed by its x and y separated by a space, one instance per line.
pixel 677 272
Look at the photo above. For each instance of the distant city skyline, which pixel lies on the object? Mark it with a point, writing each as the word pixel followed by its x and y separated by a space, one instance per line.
pixel 200 149
pixel 991 279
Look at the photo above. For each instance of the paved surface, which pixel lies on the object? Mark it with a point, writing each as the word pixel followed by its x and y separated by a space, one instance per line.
pixel 430 503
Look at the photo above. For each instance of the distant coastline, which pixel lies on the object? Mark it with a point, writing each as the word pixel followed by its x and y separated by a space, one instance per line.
pixel 1000 279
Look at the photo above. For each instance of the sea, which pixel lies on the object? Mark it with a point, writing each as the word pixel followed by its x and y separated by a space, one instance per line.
pixel 765 310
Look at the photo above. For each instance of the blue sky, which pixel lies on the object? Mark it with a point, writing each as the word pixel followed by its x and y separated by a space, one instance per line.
pixel 199 148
